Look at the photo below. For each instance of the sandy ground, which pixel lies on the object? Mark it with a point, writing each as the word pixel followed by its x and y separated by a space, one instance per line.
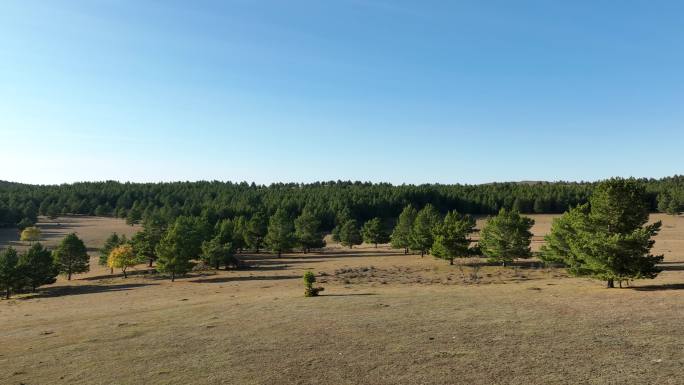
pixel 384 318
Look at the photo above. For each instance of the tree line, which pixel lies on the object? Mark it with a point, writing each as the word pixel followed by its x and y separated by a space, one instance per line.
pixel 20 204
pixel 605 238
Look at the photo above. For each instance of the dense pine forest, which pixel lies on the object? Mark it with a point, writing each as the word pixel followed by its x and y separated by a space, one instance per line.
pixel 20 204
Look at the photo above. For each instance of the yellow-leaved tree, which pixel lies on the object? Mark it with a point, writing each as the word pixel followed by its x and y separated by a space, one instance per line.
pixel 30 234
pixel 122 257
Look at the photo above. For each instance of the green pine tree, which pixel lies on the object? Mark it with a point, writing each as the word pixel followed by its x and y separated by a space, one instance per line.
pixel 423 228
pixel 10 275
pixel 349 234
pixel 37 266
pixel 401 235
pixel 71 256
pixel 216 253
pixel 609 238
pixel 452 236
pixel 506 236
pixel 280 236
pixel 307 231
pixel 181 243
pixel 256 231
pixel 373 232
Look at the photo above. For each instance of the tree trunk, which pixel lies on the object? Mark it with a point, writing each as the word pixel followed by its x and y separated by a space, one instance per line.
pixel 217 265
pixel 405 250
pixel 280 252
pixel 610 284
pixel 376 245
pixel 7 293
pixel 451 261
pixel 422 253
pixel 111 271
pixel 69 276
pixel 150 264
pixel 173 276
pixel 620 283
pixel 124 273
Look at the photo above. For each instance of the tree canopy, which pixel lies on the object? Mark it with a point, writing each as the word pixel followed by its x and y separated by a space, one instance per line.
pixel 373 232
pixel 506 236
pixel 71 256
pixel 452 236
pixel 609 238
pixel 422 233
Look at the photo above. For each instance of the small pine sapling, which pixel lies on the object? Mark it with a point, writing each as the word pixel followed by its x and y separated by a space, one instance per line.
pixel 309 289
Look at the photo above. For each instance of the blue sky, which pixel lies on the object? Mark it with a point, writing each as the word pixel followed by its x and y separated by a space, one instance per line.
pixel 377 90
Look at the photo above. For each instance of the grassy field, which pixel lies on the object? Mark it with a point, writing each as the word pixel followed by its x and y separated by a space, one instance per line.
pixel 384 318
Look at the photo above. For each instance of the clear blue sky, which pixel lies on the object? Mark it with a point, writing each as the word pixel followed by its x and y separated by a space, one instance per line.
pixel 372 90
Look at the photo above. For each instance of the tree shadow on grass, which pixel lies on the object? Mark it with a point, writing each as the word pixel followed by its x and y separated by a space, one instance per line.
pixel 669 286
pixel 672 267
pixel 82 289
pixel 145 273
pixel 246 278
pixel 345 295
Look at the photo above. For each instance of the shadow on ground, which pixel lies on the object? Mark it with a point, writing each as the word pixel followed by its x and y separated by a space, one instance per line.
pixel 670 286
pixel 82 289
pixel 247 278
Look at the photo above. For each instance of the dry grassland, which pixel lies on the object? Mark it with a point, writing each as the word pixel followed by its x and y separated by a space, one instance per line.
pixel 384 318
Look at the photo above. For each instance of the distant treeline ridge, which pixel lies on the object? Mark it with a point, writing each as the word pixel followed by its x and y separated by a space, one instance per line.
pixel 20 204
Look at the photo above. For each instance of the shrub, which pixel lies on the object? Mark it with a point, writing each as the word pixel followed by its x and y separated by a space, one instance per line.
pixel 30 234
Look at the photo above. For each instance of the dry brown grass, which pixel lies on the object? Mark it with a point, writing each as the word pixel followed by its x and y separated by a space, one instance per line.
pixel 403 321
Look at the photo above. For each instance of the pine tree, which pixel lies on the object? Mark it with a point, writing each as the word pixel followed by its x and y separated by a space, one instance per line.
pixel 180 244
pixel 216 253
pixel 342 217
pixel 423 228
pixel 349 234
pixel 37 266
pixel 280 236
pixel 607 239
pixel 154 228
pixel 373 232
pixel 71 256
pixel 257 228
pixel 239 240
pixel 401 236
pixel 307 231
pixel 10 276
pixel 452 236
pixel 506 236
pixel 134 215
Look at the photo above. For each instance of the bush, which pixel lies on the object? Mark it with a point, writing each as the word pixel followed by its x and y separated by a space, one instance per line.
pixel 30 234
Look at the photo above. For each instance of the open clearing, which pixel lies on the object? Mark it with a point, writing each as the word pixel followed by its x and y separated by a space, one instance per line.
pixel 384 318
